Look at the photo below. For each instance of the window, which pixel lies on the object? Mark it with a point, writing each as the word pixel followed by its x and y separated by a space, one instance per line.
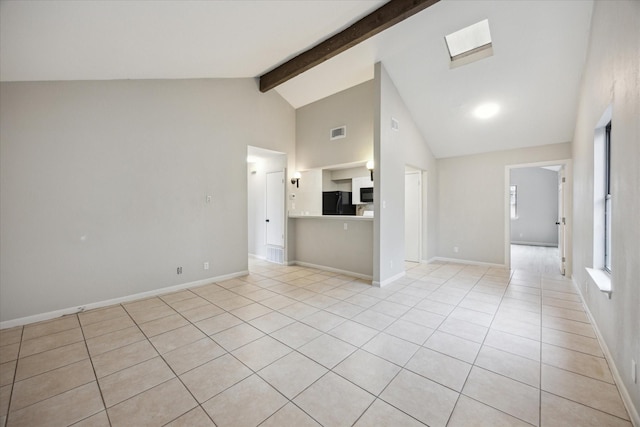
pixel 602 204
pixel 607 198
pixel 469 44
pixel 513 201
pixel 469 39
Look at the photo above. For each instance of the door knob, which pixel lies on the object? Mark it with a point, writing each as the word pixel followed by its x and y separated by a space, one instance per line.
pixel 266 220
pixel 557 222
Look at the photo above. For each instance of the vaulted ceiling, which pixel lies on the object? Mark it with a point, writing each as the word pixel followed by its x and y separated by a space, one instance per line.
pixel 534 74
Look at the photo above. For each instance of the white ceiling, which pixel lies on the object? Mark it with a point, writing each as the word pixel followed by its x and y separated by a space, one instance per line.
pixel 534 74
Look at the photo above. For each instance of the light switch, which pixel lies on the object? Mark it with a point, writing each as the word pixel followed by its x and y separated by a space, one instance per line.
pixel 345 226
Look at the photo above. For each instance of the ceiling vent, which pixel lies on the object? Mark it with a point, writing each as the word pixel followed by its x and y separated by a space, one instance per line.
pixel 338 133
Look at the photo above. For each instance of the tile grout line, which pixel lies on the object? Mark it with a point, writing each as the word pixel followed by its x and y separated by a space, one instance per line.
pixel 95 375
pixel 13 383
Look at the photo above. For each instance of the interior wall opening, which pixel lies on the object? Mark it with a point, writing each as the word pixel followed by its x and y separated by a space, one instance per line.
pixel 266 204
pixel 536 227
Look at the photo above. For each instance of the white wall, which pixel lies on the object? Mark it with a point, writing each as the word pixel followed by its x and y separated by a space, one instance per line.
pixel 471 208
pixel 103 185
pixel 393 151
pixel 536 207
pixel 612 77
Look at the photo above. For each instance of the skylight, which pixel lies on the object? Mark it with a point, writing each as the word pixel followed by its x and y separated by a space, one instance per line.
pixel 469 40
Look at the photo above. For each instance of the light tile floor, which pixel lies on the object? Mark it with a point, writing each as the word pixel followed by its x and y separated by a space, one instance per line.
pixel 447 345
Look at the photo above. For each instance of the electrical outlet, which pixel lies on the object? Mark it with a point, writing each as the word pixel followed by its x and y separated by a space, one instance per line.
pixel 179 270
pixel 391 264
pixel 346 226
pixel 208 199
pixel 456 249
pixel 206 265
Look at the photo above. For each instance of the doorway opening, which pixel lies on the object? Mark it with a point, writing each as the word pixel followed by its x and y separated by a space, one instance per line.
pixel 266 204
pixel 537 204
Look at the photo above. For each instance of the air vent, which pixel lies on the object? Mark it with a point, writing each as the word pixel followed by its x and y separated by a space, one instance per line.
pixel 275 254
pixel 394 124
pixel 338 133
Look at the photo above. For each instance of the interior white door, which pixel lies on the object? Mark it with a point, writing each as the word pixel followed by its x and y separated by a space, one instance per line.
pixel 275 209
pixel 412 216
pixel 562 222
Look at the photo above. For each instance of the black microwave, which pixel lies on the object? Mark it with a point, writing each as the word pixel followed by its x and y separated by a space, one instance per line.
pixel 366 194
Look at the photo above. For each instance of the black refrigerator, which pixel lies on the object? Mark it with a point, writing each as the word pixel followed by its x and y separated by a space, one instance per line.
pixel 337 203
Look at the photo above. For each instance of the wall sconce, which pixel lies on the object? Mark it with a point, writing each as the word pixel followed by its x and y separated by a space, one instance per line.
pixel 296 179
pixel 370 167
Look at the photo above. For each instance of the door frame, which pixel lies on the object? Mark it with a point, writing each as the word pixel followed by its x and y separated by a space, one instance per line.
pixel 568 209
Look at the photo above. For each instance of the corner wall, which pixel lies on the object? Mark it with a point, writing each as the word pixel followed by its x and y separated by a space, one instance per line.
pixel 612 77
pixel 104 185
pixel 393 150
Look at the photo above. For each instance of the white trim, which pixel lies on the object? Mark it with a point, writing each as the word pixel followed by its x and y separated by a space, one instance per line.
pixel 260 257
pixel 333 270
pixel 624 393
pixel 602 279
pixel 549 245
pixel 389 280
pixel 466 261
pixel 79 309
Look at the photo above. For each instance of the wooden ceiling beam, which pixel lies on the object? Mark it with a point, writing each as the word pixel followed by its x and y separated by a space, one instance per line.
pixel 379 20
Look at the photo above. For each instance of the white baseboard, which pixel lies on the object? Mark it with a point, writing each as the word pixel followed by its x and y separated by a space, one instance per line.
pixel 466 261
pixel 90 306
pixel 550 245
pixel 260 257
pixel 333 270
pixel 624 393
pixel 389 280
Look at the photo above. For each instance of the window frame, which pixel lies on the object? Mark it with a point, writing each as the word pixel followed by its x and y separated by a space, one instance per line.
pixel 607 197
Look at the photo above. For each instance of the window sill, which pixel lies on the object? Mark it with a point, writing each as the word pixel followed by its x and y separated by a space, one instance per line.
pixel 602 279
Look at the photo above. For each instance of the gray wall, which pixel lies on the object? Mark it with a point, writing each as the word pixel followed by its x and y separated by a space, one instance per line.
pixel 325 242
pixel 103 185
pixel 393 151
pixel 612 76
pixel 352 107
pixel 537 207
pixel 471 208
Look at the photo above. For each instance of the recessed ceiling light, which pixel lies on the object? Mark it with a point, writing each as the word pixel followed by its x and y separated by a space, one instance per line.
pixel 469 40
pixel 487 110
